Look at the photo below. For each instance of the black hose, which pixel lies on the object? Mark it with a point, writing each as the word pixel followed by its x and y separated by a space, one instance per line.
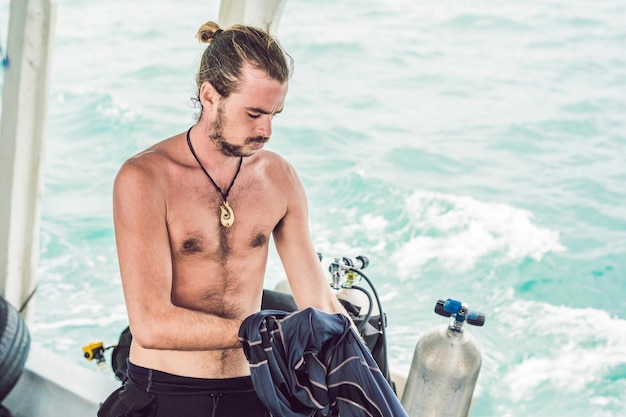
pixel 370 308
pixel 383 318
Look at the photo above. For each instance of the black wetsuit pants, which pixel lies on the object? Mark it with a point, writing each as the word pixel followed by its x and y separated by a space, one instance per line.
pixel 150 393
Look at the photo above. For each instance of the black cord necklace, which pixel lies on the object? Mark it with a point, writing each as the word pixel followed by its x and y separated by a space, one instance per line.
pixel 227 217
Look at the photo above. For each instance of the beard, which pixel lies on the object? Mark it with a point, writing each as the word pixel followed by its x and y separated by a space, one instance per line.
pixel 230 149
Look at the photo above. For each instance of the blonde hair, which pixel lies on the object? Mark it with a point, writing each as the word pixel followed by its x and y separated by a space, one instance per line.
pixel 228 50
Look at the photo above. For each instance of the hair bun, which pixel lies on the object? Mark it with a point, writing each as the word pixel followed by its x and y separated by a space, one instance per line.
pixel 208 32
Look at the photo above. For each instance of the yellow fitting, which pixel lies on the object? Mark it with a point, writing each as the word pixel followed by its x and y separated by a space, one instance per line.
pixel 93 351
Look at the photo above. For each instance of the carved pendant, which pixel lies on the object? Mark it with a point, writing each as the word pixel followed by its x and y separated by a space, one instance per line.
pixel 227 217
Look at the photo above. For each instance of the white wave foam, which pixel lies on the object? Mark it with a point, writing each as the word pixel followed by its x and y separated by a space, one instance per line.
pixel 372 225
pixel 577 347
pixel 457 231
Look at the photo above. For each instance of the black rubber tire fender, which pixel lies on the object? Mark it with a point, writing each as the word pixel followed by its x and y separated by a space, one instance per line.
pixel 14 347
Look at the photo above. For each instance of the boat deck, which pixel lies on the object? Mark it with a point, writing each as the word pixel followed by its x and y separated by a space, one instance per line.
pixel 52 386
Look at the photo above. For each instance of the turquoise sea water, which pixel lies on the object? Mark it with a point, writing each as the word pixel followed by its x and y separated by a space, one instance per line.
pixel 474 151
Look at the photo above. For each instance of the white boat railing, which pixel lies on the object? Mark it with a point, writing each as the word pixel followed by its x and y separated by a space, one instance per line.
pixel 22 138
pixel 264 14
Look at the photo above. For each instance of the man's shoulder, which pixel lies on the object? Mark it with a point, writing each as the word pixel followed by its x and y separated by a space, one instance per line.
pixel 272 160
pixel 146 166
pixel 157 156
pixel 278 171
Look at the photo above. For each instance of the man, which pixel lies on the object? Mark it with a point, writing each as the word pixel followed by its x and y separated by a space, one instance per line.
pixel 193 218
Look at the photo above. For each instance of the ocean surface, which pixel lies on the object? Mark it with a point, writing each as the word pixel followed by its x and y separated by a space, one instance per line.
pixel 471 150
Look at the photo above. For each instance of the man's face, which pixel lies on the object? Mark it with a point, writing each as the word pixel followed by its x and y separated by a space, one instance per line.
pixel 243 121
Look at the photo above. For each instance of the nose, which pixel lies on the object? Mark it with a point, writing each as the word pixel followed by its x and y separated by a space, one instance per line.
pixel 264 127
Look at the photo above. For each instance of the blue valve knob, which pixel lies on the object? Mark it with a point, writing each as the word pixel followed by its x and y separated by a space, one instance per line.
pixel 460 311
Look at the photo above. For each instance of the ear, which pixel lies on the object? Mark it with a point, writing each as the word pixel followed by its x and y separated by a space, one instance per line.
pixel 209 96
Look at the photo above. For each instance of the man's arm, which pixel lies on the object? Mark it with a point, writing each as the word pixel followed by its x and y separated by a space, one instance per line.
pixel 143 246
pixel 293 242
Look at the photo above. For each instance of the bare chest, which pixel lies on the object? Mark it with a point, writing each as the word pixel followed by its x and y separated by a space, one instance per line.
pixel 201 223
pixel 218 268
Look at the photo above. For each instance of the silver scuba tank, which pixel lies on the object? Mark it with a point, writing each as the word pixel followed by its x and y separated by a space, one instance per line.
pixel 445 366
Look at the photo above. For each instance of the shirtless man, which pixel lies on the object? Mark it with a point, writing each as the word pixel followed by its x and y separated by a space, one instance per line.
pixel 193 218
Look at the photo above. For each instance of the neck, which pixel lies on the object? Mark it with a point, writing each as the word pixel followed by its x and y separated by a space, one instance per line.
pixel 218 173
pixel 207 150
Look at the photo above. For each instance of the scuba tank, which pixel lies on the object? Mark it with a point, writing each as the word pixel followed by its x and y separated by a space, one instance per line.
pixel 445 366
pixel 363 305
pixel 346 288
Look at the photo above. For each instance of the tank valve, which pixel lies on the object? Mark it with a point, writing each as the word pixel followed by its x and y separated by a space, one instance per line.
pixel 95 351
pixel 461 313
pixel 342 270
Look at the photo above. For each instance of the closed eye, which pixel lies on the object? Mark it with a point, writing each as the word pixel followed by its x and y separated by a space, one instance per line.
pixel 255 112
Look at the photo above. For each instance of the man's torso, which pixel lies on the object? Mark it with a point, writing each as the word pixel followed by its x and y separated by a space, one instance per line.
pixel 215 269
